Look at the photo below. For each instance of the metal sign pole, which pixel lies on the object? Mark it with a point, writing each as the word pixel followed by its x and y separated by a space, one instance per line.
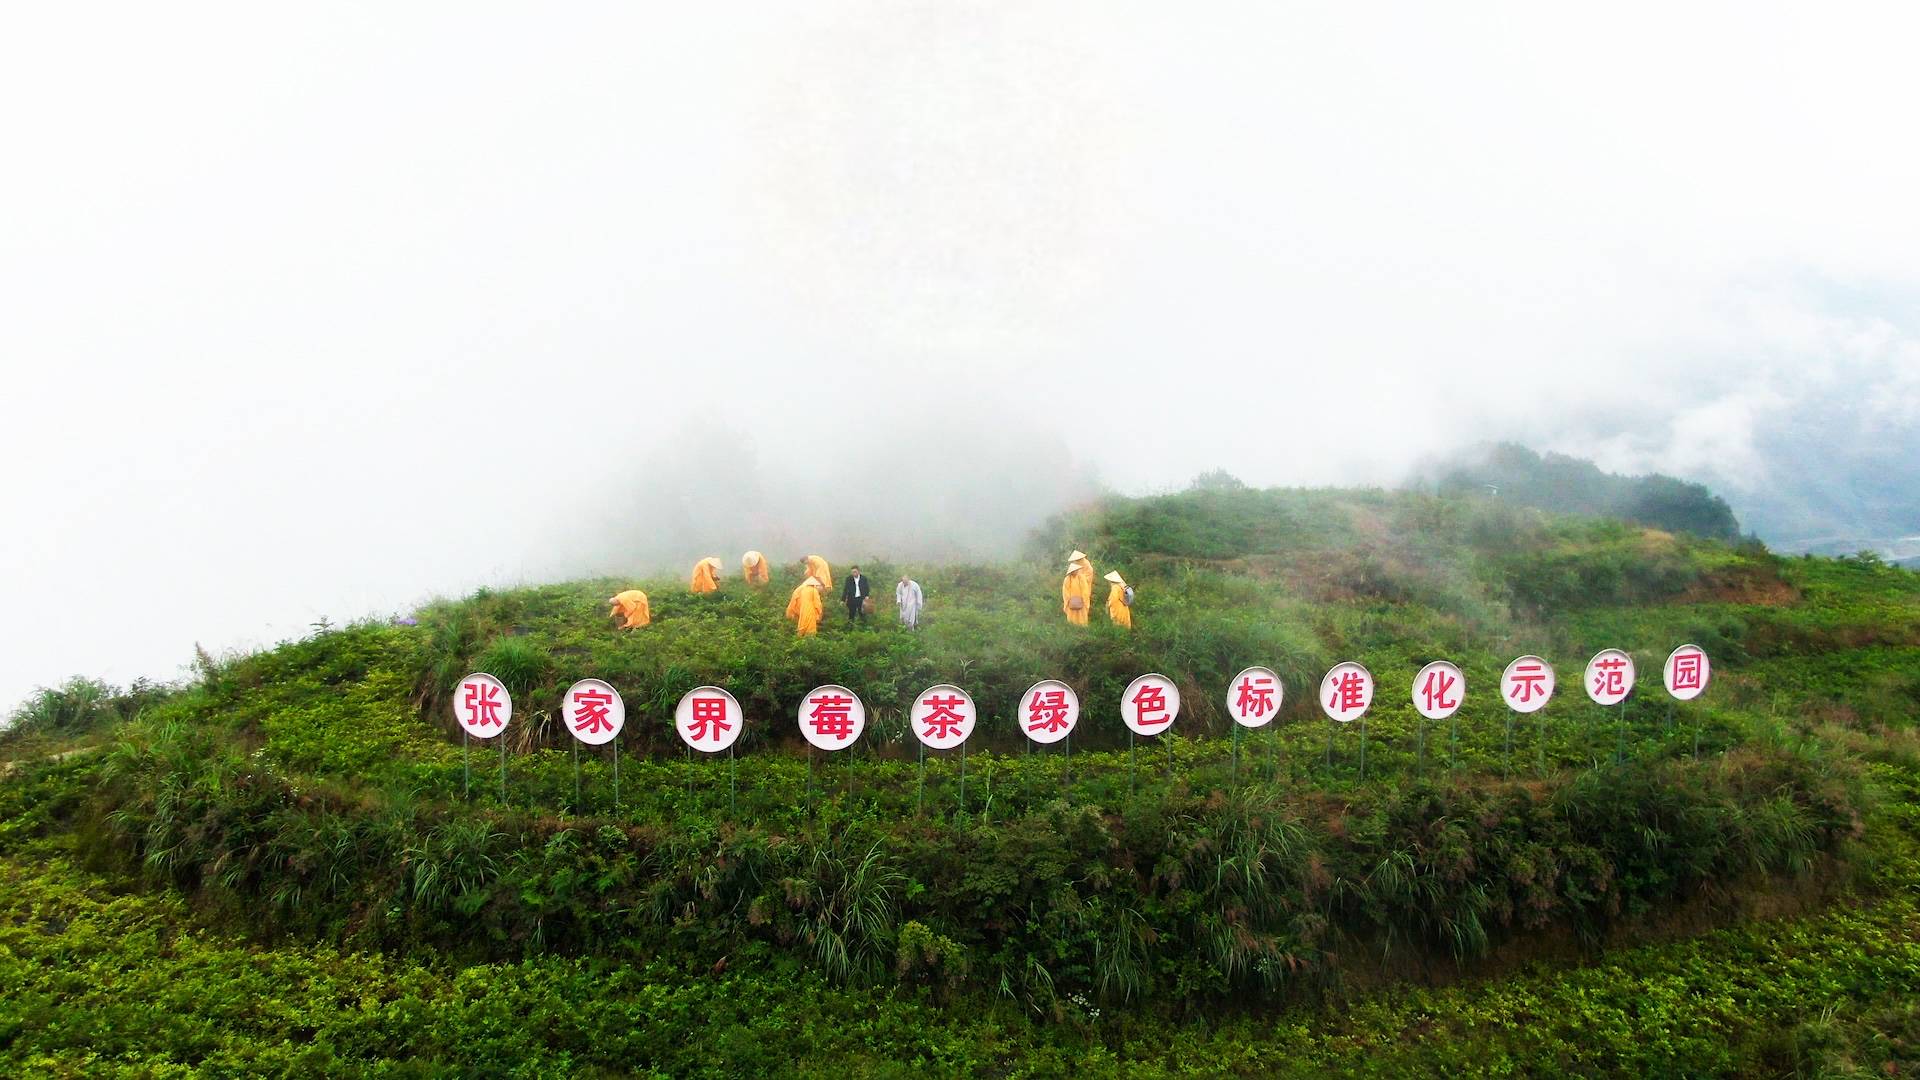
pixel 1363 748
pixel 576 776
pixel 466 765
pixel 732 782
pixel 503 765
pixel 920 794
pixel 1236 757
pixel 616 774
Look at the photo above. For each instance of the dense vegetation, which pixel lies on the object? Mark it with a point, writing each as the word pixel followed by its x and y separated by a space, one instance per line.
pixel 284 866
pixel 1573 485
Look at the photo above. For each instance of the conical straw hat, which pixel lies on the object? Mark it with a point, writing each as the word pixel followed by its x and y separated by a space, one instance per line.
pixel 811 580
pixel 1114 576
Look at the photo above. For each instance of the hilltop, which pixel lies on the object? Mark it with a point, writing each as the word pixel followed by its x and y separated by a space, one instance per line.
pixel 1086 908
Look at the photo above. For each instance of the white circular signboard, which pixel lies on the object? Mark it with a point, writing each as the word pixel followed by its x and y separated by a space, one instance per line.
pixel 1527 684
pixel 1438 690
pixel 832 717
pixel 1347 692
pixel 594 712
pixel 1150 704
pixel 1688 672
pixel 708 719
pixel 1253 697
pixel 1048 711
pixel 482 705
pixel 1609 676
pixel 942 716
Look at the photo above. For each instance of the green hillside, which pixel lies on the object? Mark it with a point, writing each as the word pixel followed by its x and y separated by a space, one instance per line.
pixel 290 866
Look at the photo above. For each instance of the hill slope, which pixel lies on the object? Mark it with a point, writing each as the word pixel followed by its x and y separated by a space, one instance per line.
pixel 316 796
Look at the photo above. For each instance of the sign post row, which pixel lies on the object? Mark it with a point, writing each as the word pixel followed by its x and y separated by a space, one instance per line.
pixel 484 708
pixel 1345 695
pixel 1049 711
pixel 1253 700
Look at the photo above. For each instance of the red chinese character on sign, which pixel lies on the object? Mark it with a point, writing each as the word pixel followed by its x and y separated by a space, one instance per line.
pixel 1047 711
pixel 1526 683
pixel 1349 693
pixel 1435 690
pixel 709 719
pixel 1256 697
pixel 944 723
pixel 1149 699
pixel 483 704
pixel 590 712
pixel 832 716
pixel 1610 678
pixel 1686 671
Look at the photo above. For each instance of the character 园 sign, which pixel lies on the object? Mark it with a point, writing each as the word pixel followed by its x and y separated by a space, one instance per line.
pixel 1687 672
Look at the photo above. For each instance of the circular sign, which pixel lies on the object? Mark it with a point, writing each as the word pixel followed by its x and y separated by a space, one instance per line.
pixel 1438 690
pixel 594 712
pixel 482 705
pixel 832 717
pixel 1527 684
pixel 1150 704
pixel 1048 711
pixel 708 719
pixel 942 716
pixel 1346 692
pixel 1253 697
pixel 1688 672
pixel 1609 677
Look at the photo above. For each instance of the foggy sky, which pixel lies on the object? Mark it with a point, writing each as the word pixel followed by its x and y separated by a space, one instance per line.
pixel 320 313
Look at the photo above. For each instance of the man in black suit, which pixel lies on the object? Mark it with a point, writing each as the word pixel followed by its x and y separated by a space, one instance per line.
pixel 854 592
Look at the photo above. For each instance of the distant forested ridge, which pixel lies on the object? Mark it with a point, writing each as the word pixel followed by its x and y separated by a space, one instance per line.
pixel 1573 485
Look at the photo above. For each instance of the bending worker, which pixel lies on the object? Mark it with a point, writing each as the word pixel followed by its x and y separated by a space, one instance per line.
pixel 706 575
pixel 632 607
pixel 818 570
pixel 753 568
pixel 1076 591
pixel 804 607
pixel 1120 600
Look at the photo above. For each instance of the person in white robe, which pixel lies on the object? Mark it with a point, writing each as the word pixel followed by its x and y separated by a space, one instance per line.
pixel 908 599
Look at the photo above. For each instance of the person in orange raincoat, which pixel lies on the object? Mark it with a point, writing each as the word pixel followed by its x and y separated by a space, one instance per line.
pixel 1076 590
pixel 817 568
pixel 631 606
pixel 804 607
pixel 706 575
pixel 753 568
pixel 1120 600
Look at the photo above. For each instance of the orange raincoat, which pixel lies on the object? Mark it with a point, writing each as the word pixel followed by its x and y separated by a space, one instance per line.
pixel 817 567
pixel 705 574
pixel 753 568
pixel 631 606
pixel 804 607
pixel 1077 583
pixel 1117 608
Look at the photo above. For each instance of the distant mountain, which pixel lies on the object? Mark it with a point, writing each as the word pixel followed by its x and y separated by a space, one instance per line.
pixel 1573 485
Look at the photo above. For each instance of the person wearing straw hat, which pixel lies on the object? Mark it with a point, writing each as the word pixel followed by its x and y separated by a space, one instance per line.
pixel 1120 600
pixel 706 575
pixel 804 607
pixel 753 568
pixel 1076 591
pixel 631 606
